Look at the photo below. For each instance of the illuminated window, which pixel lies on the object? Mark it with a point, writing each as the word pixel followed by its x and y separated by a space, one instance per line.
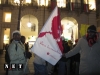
pixel 42 2
pixel 61 3
pixel 92 5
pixel 28 1
pixel 16 1
pixel 23 1
pixel 77 1
pixel 7 16
pixel 0 1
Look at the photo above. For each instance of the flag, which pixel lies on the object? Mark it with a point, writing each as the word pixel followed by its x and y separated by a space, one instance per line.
pixel 53 4
pixel 86 7
pixel 83 29
pixel 71 6
pixel 49 44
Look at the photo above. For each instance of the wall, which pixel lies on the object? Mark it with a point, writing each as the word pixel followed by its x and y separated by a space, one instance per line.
pixel 39 14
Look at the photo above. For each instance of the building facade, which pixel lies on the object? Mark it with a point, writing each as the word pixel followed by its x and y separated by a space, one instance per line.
pixel 29 16
pixel 98 14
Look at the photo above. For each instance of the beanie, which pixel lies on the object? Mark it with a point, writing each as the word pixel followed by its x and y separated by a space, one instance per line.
pixel 16 31
pixel 91 28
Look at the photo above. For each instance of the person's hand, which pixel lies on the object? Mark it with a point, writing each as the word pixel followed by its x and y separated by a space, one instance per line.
pixel 28 55
pixel 63 55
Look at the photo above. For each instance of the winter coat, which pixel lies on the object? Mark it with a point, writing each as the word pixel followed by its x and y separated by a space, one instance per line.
pixel 16 53
pixel 66 48
pixel 89 56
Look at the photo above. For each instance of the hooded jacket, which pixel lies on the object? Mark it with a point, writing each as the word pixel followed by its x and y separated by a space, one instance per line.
pixel 17 57
pixel 89 56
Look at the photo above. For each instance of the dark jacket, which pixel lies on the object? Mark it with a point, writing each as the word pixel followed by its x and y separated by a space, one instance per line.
pixel 76 57
pixel 66 49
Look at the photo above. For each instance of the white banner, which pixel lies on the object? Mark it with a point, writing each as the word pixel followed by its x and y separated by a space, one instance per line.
pixel 47 45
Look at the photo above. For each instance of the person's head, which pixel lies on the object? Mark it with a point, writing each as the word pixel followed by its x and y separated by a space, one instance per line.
pixel 62 38
pixel 91 31
pixel 16 35
pixel 76 41
pixel 70 43
pixel 23 39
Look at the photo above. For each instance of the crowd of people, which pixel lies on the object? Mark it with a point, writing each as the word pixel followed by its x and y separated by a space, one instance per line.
pixel 81 58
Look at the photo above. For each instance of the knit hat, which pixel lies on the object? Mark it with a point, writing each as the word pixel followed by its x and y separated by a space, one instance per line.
pixel 16 31
pixel 91 28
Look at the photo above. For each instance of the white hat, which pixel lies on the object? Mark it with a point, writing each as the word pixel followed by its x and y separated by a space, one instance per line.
pixel 16 31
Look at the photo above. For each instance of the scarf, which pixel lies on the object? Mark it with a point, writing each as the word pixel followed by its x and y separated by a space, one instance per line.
pixel 91 41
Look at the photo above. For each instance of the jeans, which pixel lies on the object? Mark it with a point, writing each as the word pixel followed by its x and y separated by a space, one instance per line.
pixel 68 66
pixel 49 68
pixel 40 69
pixel 62 68
pixel 77 68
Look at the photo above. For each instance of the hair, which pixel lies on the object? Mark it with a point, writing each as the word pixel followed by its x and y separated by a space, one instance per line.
pixel 23 39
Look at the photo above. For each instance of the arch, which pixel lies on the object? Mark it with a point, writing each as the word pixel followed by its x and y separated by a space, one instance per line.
pixel 31 32
pixel 70 28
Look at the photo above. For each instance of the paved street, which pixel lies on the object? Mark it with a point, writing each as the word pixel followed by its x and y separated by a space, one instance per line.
pixel 2 61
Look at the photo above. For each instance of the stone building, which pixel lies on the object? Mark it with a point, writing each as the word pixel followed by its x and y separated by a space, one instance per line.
pixel 29 16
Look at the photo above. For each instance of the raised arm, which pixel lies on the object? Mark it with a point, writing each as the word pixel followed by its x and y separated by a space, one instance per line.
pixel 75 50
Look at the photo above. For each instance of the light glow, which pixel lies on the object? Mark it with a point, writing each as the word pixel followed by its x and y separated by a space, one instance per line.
pixel 61 3
pixel 42 2
pixel 92 5
pixel 17 1
pixel 29 24
pixel 0 1
pixel 6 39
pixel 7 17
pixel 28 1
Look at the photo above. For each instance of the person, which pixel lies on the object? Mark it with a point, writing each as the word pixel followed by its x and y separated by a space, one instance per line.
pixel 16 54
pixel 70 60
pixel 27 47
pixel 70 44
pixel 27 53
pixel 50 68
pixel 7 59
pixel 63 62
pixel 40 67
pixel 76 60
pixel 89 48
